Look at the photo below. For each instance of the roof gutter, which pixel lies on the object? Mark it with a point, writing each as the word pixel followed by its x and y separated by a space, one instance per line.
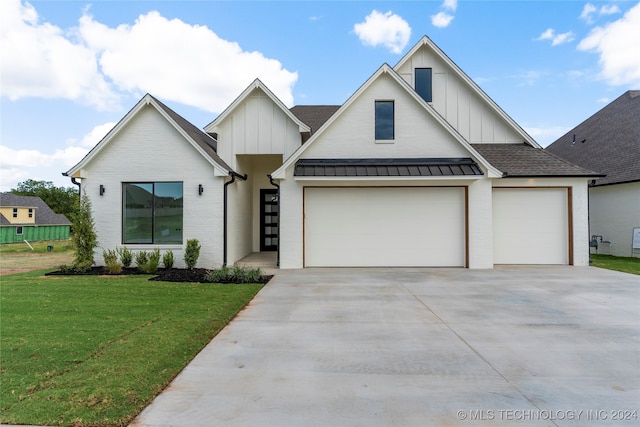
pixel 278 223
pixel 233 176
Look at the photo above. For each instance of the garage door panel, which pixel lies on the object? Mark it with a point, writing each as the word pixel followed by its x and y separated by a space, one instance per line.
pixel 384 227
pixel 530 226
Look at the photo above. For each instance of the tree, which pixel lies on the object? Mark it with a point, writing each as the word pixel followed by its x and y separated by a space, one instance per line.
pixel 63 200
pixel 84 234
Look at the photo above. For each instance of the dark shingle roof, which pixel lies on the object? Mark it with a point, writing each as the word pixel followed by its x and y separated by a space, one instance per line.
pixel 44 214
pixel 204 140
pixel 386 167
pixel 523 160
pixel 607 142
pixel 314 116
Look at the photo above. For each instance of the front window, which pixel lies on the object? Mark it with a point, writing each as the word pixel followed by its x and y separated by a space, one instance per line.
pixel 423 83
pixel 15 212
pixel 30 213
pixel 19 230
pixel 152 212
pixel 384 120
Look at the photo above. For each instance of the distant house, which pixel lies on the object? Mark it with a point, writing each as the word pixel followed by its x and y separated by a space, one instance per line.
pixel 419 167
pixel 609 142
pixel 29 218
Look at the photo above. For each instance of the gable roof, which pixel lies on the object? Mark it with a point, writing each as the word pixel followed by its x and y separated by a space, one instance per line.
pixel 314 116
pixel 200 140
pixel 523 160
pixel 44 214
pixel 426 41
pixel 607 142
pixel 385 69
pixel 257 84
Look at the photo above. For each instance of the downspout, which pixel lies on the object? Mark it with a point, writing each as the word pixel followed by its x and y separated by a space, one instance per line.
pixel 279 230
pixel 233 176
pixel 73 180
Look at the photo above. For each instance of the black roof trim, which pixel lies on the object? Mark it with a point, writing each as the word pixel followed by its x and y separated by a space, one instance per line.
pixel 404 167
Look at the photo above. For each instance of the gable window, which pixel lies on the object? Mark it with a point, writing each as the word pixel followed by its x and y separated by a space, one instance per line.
pixel 19 230
pixel 30 213
pixel 384 120
pixel 423 84
pixel 152 212
pixel 15 212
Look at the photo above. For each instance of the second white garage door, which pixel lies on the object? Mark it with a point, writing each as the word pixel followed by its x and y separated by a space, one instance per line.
pixel 384 227
pixel 530 226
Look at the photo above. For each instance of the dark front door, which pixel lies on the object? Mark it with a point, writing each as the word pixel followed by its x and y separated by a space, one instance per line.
pixel 269 220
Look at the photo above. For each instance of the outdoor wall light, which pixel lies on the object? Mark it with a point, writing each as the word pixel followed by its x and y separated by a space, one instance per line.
pixel 102 189
pixel 200 189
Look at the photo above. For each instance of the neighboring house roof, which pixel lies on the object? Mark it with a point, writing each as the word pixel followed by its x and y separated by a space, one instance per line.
pixel 257 84
pixel 523 160
pixel 4 221
pixel 200 140
pixel 386 69
pixel 386 167
pixel 44 214
pixel 426 41
pixel 607 142
pixel 314 116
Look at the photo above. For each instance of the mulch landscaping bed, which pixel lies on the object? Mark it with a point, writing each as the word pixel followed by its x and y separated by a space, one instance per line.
pixel 161 275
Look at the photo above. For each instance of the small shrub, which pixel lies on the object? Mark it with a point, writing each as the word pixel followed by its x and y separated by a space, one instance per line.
pixel 142 258
pixel 111 262
pixel 167 259
pixel 73 269
pixel 219 275
pixel 234 274
pixel 192 253
pixel 150 261
pixel 126 257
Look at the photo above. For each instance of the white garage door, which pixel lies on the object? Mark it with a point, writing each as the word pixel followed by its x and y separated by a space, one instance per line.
pixel 387 227
pixel 530 226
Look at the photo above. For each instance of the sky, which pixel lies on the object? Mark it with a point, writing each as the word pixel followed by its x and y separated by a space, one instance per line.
pixel 70 70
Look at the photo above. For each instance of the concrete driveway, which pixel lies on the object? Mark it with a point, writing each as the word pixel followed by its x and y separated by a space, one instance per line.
pixel 522 346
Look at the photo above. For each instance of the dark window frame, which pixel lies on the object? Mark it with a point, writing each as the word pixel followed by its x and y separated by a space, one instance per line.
pixel 423 84
pixel 153 208
pixel 14 213
pixel 382 131
pixel 30 212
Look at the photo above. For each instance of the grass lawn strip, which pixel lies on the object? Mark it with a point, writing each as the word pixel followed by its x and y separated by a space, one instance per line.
pixel 87 350
pixel 624 264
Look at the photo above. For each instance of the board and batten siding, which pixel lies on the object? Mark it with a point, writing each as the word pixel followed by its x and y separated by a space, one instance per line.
pixel 257 126
pixel 149 149
pixel 476 121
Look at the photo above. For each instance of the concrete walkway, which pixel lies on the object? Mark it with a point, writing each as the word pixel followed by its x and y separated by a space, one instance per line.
pixel 521 346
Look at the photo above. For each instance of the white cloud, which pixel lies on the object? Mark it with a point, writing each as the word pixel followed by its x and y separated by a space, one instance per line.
pixel 95 64
pixel 587 11
pixel 556 39
pixel 39 60
pixel 609 9
pixel 617 45
pixel 385 29
pixel 441 19
pixel 451 5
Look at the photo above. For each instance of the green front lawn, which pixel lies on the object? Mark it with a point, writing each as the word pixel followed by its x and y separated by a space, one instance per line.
pixel 89 350
pixel 624 264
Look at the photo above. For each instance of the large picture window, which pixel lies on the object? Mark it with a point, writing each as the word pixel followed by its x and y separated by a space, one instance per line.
pixel 152 212
pixel 384 120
